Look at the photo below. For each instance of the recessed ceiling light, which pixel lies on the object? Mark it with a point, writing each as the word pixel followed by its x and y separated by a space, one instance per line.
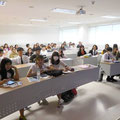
pixel 38 20
pixel 110 17
pixel 74 23
pixel 24 24
pixel 2 3
pixel 66 11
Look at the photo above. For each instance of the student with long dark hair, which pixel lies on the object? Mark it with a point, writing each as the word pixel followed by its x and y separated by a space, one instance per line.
pixel 8 72
pixel 29 52
pixel 61 53
pixel 94 49
pixel 81 51
pixel 105 50
pixel 56 63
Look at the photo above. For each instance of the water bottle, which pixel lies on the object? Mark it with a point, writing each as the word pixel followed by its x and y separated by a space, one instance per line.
pixel 38 74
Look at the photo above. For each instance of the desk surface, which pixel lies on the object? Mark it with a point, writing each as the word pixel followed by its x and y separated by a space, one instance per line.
pixel 14 99
pixel 25 81
pixel 24 65
pixel 108 63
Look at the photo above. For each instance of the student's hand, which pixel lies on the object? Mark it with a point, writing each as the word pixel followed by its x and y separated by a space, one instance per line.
pixel 6 80
pixel 67 68
pixel 113 60
pixel 13 67
pixel 51 67
pixel 72 69
pixel 41 71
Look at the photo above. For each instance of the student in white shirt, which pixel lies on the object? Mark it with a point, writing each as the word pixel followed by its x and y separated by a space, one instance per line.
pixel 108 57
pixel 39 64
pixel 43 51
pixel 20 59
pixel 37 53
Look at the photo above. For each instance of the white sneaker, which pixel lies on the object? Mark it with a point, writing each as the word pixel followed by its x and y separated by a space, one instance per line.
pixel 45 102
pixel 60 103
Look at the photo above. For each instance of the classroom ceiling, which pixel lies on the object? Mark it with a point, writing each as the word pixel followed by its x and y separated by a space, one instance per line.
pixel 19 12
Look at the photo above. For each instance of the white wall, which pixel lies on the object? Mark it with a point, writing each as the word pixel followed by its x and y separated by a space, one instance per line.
pixel 22 35
pixel 83 33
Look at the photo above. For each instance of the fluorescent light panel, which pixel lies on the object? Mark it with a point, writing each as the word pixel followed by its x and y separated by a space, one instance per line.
pixel 38 20
pixel 74 23
pixel 2 3
pixel 110 17
pixel 66 11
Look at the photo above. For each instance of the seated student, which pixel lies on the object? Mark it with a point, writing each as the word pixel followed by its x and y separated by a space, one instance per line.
pixel 80 44
pixel 61 53
pixel 115 46
pixel 16 46
pixel 54 47
pixel 62 47
pixel 116 53
pixel 27 47
pixel 94 50
pixel 6 48
pixel 9 52
pixel 34 47
pixel 39 64
pixel 13 53
pixel 1 54
pixel 8 72
pixel 37 52
pixel 108 57
pixel 106 46
pixel 56 63
pixel 49 48
pixel 81 51
pixel 20 59
pixel 29 52
pixel 43 50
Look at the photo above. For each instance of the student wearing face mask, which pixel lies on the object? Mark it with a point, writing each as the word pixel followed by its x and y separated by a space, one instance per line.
pixel 57 64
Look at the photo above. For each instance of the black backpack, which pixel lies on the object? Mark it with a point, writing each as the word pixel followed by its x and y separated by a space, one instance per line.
pixel 45 59
pixel 67 96
pixel 54 73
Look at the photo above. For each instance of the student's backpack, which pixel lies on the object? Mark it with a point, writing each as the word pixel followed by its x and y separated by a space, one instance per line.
pixel 45 59
pixel 74 91
pixel 67 96
pixel 54 73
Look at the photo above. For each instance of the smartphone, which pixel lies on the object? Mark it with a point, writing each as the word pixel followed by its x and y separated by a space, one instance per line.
pixel 10 82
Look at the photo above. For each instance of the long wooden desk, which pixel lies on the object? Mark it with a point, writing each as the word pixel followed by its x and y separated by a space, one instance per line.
pixel 14 99
pixel 110 68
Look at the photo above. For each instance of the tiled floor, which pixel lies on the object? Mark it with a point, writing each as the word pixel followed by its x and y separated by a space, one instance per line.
pixel 95 101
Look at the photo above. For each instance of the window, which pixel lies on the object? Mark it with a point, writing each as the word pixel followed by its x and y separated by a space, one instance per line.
pixel 102 35
pixel 69 35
